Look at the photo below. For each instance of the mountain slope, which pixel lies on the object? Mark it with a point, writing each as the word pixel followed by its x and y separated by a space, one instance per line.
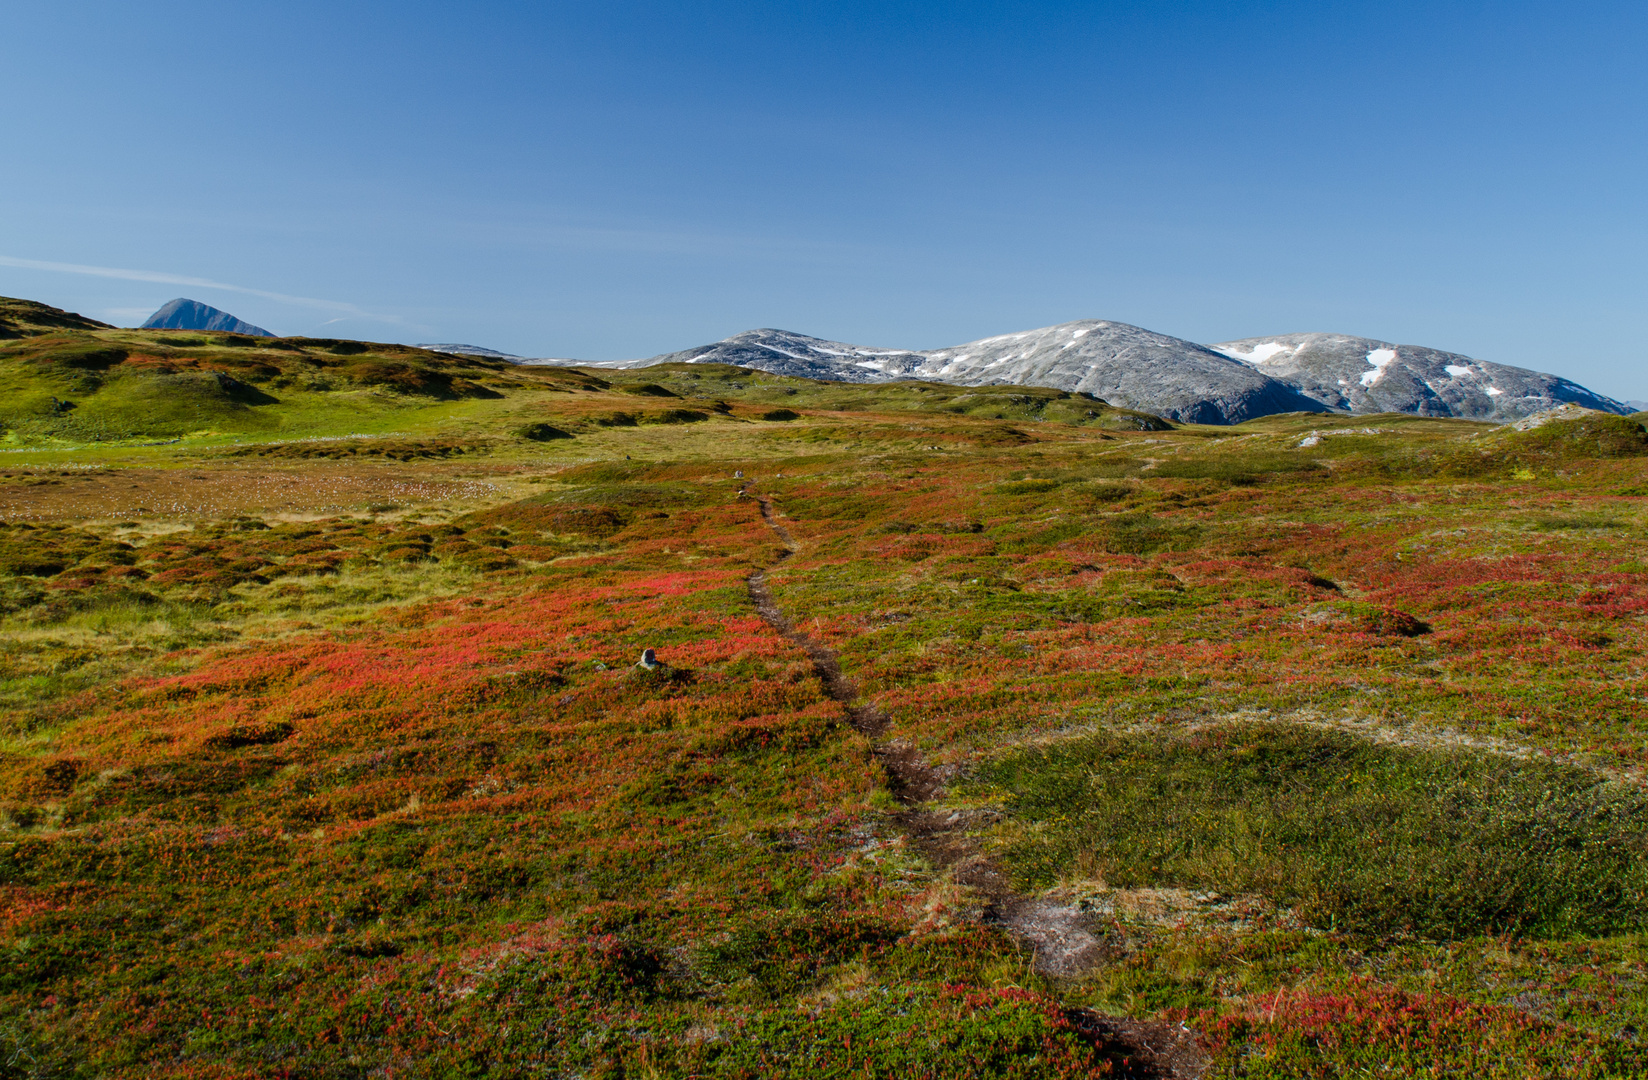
pixel 456 349
pixel 1124 365
pixel 182 314
pixel 785 353
pixel 1362 375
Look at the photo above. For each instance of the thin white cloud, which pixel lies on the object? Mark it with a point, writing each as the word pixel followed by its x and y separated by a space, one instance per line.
pixel 348 310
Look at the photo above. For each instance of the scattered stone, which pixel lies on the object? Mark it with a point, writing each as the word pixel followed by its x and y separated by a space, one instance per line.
pixel 649 660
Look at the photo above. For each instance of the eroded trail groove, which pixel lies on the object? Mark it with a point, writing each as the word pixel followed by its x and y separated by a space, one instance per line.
pixel 1058 938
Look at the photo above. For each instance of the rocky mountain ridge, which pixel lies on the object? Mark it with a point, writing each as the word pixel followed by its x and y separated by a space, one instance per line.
pixel 1364 375
pixel 455 349
pixel 1181 380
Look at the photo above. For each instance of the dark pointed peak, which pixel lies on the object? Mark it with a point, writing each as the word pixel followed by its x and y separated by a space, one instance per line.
pixel 185 314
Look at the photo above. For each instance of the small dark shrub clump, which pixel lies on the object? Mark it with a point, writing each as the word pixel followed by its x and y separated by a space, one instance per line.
pixel 542 433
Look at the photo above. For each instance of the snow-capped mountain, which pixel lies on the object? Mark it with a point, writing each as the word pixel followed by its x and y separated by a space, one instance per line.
pixel 1361 375
pixel 784 353
pixel 1125 365
pixel 455 349
pixel 1139 369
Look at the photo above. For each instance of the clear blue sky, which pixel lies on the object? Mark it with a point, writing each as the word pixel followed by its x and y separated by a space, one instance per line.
pixel 615 179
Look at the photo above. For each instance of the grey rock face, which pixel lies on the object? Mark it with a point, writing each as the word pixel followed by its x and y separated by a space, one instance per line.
pixel 467 350
pixel 1125 365
pixel 784 353
pixel 1361 375
pixel 181 314
pixel 1205 384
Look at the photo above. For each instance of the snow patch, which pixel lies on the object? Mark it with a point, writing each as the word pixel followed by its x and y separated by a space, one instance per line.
pixel 1260 353
pixel 1494 391
pixel 1380 359
pixel 1456 371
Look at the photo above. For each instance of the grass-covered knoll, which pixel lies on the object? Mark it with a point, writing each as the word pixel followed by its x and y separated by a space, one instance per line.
pixel 28 318
pixel 1364 837
pixel 111 385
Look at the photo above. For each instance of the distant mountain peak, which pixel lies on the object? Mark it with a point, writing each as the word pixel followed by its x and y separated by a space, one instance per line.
pixel 1365 375
pixel 183 314
pixel 456 349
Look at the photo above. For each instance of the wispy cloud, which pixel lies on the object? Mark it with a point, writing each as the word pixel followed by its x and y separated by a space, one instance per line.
pixel 347 310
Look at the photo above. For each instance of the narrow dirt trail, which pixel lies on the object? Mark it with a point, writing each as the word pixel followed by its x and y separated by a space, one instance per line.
pixel 1061 946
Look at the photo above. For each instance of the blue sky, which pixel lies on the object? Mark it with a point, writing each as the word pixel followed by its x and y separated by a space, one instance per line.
pixel 616 179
